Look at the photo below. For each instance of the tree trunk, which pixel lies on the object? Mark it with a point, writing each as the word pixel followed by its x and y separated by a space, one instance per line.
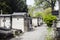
pixel 38 21
pixel 59 8
pixel 52 6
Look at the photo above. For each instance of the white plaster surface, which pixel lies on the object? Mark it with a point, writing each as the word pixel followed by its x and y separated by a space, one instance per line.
pixel 18 23
pixel 34 22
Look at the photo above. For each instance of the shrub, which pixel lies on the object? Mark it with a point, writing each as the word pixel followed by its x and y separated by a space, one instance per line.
pixel 48 19
pixel 38 14
pixel 47 16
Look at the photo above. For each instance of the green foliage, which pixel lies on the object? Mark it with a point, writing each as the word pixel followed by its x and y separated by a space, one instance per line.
pixel 4 7
pixel 10 6
pixel 30 10
pixel 45 3
pixel 46 12
pixel 48 19
pixel 38 14
pixel 47 16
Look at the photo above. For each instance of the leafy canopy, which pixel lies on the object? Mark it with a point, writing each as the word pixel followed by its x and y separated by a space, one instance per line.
pixel 45 3
pixel 48 18
pixel 10 6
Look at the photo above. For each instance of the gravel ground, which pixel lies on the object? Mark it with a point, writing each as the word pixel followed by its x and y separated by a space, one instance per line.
pixel 39 34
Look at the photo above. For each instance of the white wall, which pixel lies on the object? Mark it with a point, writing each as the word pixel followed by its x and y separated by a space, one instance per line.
pixel 2 24
pixel 58 24
pixel 40 21
pixel 18 23
pixel 34 21
pixel 7 22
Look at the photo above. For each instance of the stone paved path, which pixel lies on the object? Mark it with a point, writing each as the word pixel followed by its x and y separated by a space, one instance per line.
pixel 39 34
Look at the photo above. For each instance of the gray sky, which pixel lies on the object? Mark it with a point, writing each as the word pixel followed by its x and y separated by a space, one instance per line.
pixel 30 2
pixel 57 6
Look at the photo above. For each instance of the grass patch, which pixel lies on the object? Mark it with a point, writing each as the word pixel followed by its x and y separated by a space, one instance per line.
pixel 49 29
pixel 49 36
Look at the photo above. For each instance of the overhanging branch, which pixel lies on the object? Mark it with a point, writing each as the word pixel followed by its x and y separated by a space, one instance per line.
pixel 48 1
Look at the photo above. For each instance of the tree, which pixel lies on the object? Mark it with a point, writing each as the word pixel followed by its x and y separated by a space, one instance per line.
pixel 31 10
pixel 47 17
pixel 18 5
pixel 38 15
pixel 10 6
pixel 45 3
pixel 5 7
pixel 59 8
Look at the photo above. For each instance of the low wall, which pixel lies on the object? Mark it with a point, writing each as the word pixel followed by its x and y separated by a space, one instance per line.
pixel 34 21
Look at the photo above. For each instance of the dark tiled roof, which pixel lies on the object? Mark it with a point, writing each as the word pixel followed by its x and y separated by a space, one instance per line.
pixel 14 14
pixel 5 15
pixel 19 14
